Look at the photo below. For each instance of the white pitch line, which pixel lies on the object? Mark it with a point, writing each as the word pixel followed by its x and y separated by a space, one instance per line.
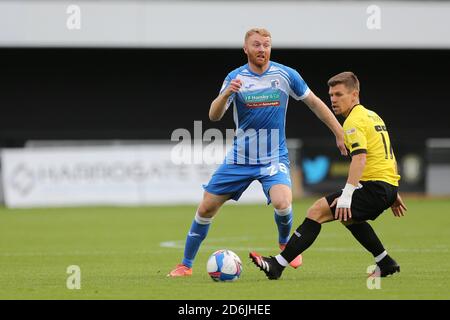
pixel 179 244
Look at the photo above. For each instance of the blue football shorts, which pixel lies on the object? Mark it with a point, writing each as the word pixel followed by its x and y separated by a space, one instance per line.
pixel 234 179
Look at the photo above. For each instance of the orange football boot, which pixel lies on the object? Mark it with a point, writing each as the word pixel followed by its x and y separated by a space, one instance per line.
pixel 180 271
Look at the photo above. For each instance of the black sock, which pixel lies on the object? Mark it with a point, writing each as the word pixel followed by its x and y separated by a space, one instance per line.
pixel 302 238
pixel 364 233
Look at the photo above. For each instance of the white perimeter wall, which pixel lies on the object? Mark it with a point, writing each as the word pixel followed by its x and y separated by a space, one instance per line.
pixel 209 24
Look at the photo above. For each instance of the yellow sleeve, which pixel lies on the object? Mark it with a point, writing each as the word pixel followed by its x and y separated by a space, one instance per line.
pixel 355 136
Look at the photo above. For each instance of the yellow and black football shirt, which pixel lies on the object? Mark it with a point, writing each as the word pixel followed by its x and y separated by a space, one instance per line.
pixel 366 132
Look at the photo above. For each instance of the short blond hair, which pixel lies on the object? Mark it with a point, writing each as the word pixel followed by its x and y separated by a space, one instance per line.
pixel 261 31
pixel 347 78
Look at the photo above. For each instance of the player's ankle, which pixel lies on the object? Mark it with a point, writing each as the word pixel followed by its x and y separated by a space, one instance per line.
pixel 281 261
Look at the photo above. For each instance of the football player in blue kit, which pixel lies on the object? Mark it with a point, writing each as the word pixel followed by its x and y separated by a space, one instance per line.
pixel 259 92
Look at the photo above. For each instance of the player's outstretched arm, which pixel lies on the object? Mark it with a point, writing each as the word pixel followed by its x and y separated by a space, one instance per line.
pixel 219 104
pixel 326 116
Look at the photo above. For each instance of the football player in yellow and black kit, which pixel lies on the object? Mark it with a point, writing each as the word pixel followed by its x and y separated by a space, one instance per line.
pixel 371 188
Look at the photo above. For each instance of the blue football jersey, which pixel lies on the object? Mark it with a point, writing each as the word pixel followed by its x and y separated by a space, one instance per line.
pixel 259 112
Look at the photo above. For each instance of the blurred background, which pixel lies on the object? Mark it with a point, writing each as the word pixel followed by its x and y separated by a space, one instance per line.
pixel 92 91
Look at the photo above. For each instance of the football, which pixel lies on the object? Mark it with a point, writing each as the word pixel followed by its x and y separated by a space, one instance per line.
pixel 224 265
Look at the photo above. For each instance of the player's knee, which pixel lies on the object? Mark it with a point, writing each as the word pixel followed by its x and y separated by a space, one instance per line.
pixel 314 213
pixel 281 204
pixel 207 210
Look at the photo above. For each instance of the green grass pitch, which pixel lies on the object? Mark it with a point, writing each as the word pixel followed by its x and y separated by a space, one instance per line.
pixel 125 253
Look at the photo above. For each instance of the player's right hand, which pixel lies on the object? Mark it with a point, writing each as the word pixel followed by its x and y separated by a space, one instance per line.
pixel 343 208
pixel 234 86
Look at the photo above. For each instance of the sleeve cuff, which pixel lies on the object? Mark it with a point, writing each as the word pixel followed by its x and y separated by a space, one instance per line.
pixel 307 92
pixel 355 152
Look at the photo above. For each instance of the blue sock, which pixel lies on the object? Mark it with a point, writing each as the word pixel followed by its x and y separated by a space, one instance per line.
pixel 283 218
pixel 197 233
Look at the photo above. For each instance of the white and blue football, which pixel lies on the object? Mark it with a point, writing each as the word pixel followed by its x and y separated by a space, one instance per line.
pixel 224 265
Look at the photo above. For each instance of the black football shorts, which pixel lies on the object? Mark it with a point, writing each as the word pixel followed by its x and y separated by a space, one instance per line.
pixel 369 201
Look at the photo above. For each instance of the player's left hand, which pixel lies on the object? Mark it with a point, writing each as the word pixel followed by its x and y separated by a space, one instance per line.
pixel 399 207
pixel 341 145
pixel 343 211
